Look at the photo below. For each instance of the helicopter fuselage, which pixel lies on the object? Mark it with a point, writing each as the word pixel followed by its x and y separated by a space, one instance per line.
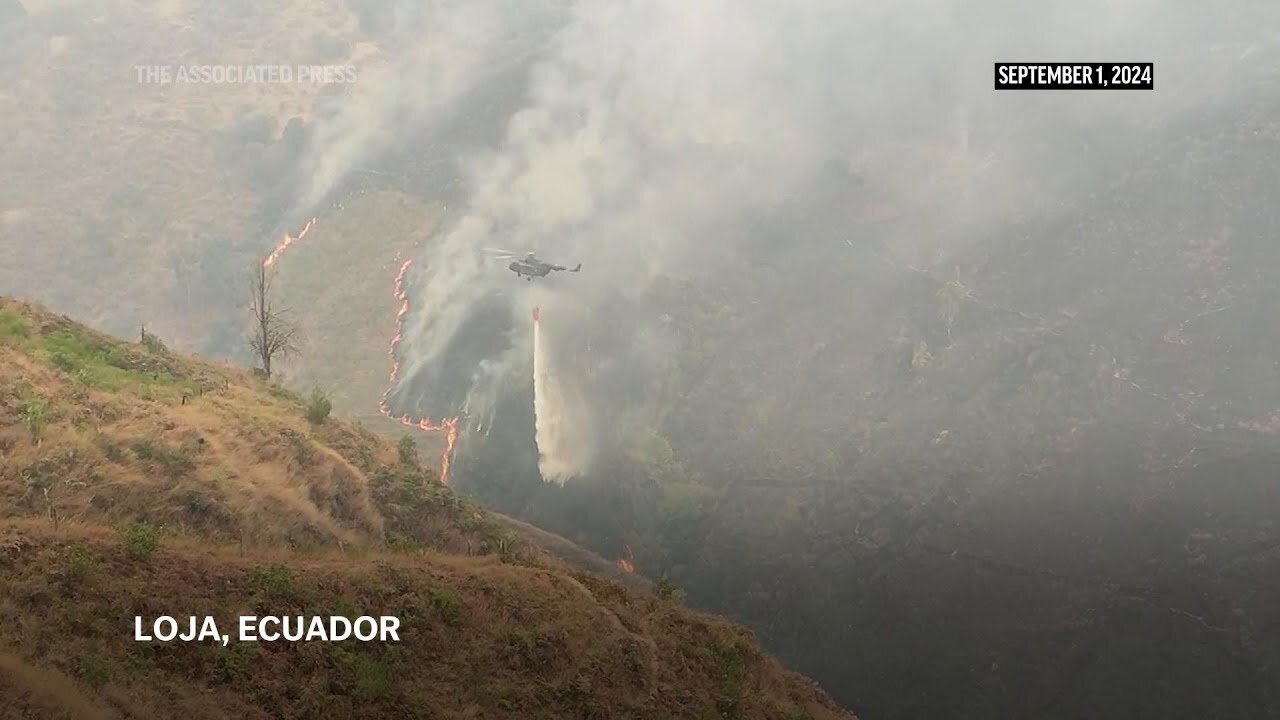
pixel 531 270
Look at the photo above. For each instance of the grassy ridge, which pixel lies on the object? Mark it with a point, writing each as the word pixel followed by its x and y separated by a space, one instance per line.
pixel 106 431
pixel 134 481
pixel 488 638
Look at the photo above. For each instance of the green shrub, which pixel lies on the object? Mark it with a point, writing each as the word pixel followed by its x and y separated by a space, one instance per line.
pixel 141 539
pixel 668 590
pixel 93 672
pixel 408 450
pixel 318 407
pixel 198 505
pixel 275 581
pixel 79 561
pixel 153 343
pixel 35 414
pixel 145 450
pixel 372 678
pixel 233 662
pixel 12 325
pixel 282 392
pixel 64 362
pixel 402 543
pixel 110 450
pixel 733 669
pixel 448 605
pixel 176 462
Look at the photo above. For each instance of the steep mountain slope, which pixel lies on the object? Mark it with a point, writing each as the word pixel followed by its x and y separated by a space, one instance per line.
pixel 480 638
pixel 227 500
pixel 104 431
pixel 1046 459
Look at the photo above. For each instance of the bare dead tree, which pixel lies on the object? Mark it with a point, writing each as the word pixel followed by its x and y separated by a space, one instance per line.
pixel 274 334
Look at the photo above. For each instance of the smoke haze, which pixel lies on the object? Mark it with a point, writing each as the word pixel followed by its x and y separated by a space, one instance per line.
pixel 652 138
pixel 436 54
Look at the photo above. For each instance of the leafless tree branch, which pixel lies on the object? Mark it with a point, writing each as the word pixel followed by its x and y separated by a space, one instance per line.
pixel 274 333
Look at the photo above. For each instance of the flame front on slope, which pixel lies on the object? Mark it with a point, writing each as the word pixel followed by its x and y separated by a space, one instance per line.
pixel 447 425
pixel 286 242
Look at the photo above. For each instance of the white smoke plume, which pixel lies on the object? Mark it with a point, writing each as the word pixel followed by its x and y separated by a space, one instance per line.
pixel 437 54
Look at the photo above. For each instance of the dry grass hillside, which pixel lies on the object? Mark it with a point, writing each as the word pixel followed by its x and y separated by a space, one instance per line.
pixel 99 430
pixel 134 481
pixel 480 638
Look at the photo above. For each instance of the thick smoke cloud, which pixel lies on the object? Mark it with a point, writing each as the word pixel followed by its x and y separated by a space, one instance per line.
pixel 435 55
pixel 652 135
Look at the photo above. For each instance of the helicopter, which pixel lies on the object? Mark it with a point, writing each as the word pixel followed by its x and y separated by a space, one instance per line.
pixel 528 265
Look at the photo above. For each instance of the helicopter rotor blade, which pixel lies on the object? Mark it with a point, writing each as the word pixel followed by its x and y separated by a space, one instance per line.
pixel 496 252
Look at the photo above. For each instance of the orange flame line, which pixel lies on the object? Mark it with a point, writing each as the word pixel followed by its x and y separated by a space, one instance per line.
pixel 448 425
pixel 286 242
